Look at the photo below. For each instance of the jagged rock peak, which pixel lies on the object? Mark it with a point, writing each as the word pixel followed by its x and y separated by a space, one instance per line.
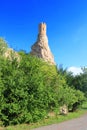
pixel 41 48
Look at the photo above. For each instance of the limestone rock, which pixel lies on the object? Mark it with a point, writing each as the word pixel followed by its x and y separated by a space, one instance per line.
pixel 64 110
pixel 41 48
pixel 11 54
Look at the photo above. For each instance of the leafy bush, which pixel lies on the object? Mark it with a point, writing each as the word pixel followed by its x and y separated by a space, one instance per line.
pixel 31 88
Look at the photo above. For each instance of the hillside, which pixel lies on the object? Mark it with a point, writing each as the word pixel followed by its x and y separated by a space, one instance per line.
pixel 30 90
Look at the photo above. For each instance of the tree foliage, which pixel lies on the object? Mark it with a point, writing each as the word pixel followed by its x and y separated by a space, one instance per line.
pixel 79 82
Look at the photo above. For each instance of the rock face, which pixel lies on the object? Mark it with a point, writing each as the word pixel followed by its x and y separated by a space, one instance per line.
pixel 41 48
pixel 64 110
pixel 11 54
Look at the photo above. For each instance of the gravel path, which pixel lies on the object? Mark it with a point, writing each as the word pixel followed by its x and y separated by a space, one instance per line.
pixel 75 124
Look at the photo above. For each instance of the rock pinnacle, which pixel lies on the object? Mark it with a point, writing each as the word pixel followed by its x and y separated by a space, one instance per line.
pixel 41 47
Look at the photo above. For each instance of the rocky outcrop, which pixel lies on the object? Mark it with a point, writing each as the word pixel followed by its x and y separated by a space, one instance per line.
pixel 64 110
pixel 7 52
pixel 11 54
pixel 41 48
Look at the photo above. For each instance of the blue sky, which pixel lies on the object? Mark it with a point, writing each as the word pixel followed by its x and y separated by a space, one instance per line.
pixel 66 27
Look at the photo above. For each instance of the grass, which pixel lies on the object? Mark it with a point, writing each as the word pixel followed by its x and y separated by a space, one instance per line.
pixel 51 120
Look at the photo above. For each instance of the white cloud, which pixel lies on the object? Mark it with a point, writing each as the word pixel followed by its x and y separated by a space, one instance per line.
pixel 75 70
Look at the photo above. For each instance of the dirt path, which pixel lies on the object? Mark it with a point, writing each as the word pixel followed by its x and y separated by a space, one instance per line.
pixel 75 124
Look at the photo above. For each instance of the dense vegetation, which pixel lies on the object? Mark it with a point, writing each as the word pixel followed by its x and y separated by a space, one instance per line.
pixel 31 88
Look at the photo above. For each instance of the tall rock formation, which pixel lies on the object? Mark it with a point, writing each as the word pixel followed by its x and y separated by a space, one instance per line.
pixel 41 48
